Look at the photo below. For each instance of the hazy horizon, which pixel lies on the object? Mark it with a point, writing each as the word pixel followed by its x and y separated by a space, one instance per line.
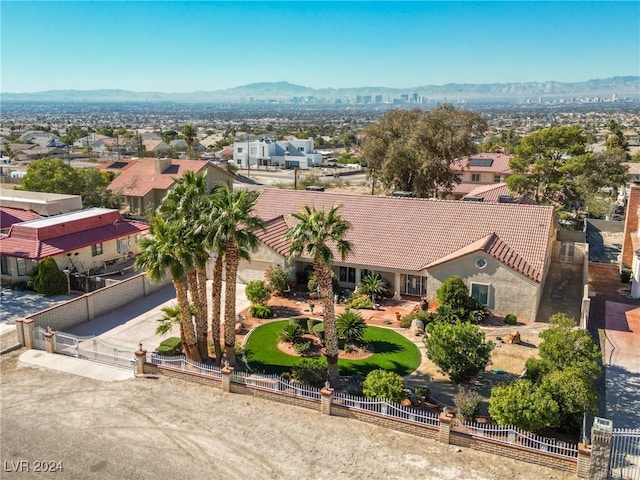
pixel 184 47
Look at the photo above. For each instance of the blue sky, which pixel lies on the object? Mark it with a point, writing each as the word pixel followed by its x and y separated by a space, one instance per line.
pixel 173 46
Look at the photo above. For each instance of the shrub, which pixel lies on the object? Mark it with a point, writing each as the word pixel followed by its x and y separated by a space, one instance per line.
pixel 453 292
pixel 311 372
pixel 384 384
pixel 426 317
pixel 318 331
pixel 48 279
pixel 290 333
pixel 278 279
pixel 350 326
pixel 468 404
pixel 625 275
pixel 301 322
pixel 302 347
pixel 360 302
pixel 354 385
pixel 523 404
pixel 239 350
pixel 170 347
pixel 478 313
pixel 261 311
pixel 312 322
pixel 510 319
pixel 257 292
pixel 373 286
pixel 423 392
pixel 459 350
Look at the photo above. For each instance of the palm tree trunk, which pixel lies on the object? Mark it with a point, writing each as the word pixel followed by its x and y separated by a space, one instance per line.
pixel 201 341
pixel 216 297
pixel 323 274
pixel 232 262
pixel 202 326
pixel 191 347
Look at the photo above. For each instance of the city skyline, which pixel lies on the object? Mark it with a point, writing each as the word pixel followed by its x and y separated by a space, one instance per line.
pixel 178 47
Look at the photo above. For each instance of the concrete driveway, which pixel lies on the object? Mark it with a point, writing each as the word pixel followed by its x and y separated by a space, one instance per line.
pixel 622 364
pixel 136 322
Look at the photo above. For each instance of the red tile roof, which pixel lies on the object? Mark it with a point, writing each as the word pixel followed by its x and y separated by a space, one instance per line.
pixel 409 234
pixel 141 178
pixel 9 216
pixel 38 239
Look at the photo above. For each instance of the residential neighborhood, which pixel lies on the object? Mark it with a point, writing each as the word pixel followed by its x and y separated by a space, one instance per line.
pixel 320 240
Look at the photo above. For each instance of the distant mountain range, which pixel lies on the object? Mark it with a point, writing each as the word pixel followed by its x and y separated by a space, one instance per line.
pixel 622 87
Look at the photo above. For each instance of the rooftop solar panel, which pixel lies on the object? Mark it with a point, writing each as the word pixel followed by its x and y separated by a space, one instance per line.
pixel 480 162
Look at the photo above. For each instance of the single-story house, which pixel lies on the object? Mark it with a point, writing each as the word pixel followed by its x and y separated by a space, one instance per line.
pixel 79 242
pixel 140 188
pixel 501 250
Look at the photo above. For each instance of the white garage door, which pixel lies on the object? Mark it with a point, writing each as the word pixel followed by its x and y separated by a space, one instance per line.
pixel 254 270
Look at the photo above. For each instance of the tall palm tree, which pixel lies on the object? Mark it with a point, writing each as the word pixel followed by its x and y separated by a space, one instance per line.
pixel 185 204
pixel 235 227
pixel 317 234
pixel 160 252
pixel 189 134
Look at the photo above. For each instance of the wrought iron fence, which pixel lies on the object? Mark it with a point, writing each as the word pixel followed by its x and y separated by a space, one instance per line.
pixel 387 409
pixel 624 462
pixel 511 435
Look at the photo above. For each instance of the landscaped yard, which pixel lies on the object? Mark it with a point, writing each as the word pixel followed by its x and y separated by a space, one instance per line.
pixel 392 352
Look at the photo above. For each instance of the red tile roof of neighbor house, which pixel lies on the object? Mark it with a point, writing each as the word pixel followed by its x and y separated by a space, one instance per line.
pixel 38 239
pixel 9 216
pixel 500 163
pixel 412 234
pixel 141 178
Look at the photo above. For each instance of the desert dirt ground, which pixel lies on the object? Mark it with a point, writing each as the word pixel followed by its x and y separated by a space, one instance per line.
pixel 148 428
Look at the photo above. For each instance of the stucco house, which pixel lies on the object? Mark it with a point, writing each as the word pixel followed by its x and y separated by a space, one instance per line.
pixel 298 153
pixel 141 187
pixel 479 170
pixel 501 250
pixel 630 255
pixel 79 242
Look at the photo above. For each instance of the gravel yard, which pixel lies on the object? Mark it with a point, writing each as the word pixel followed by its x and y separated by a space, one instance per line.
pixel 162 428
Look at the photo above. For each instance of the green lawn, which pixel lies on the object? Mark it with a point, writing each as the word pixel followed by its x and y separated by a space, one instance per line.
pixel 392 352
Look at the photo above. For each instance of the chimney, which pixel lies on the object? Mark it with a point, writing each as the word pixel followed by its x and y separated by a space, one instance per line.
pixel 630 226
pixel 161 164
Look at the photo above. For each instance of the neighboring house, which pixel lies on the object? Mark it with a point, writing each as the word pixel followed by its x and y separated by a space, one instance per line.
pixel 41 203
pixel 89 140
pixel 79 242
pixel 287 154
pixel 38 137
pixel 9 216
pixel 501 250
pixel 479 169
pixel 494 192
pixel 37 152
pixel 140 188
pixel 630 255
pixel 155 146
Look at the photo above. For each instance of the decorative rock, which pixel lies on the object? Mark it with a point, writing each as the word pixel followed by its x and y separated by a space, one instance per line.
pixel 238 329
pixel 514 338
pixel 417 325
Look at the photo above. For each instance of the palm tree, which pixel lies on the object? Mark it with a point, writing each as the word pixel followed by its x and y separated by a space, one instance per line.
pixel 160 252
pixel 235 229
pixel 185 204
pixel 189 134
pixel 317 234
pixel 170 318
pixel 372 285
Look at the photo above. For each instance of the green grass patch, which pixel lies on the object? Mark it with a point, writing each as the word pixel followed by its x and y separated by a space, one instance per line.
pixel 393 352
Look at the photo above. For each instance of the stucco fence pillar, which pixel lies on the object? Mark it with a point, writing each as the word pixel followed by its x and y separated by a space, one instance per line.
pixel 141 358
pixel 28 328
pixel 226 372
pixel 326 399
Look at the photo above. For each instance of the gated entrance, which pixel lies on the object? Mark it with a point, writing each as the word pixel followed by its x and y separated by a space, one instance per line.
pixel 624 462
pixel 88 347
